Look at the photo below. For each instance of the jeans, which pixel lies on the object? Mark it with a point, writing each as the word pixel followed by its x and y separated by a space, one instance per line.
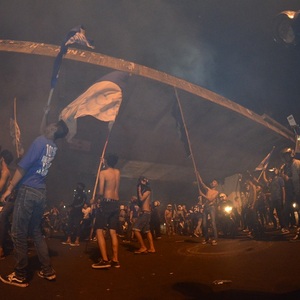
pixel 27 216
pixel 278 206
pixel 209 210
pixel 75 219
pixel 142 223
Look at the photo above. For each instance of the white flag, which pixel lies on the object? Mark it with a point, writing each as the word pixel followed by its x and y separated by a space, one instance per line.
pixel 102 101
pixel 264 163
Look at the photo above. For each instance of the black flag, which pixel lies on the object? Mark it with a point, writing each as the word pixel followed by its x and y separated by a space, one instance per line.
pixel 180 127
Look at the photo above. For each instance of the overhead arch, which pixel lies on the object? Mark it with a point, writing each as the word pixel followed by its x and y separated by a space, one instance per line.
pixel 99 59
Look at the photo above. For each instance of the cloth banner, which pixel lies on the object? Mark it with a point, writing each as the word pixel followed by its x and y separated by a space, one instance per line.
pixel 264 163
pixel 102 101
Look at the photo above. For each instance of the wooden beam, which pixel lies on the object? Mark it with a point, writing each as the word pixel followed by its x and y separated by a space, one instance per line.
pixel 99 59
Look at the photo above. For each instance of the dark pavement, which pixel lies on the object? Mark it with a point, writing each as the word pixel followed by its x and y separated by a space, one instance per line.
pixel 182 268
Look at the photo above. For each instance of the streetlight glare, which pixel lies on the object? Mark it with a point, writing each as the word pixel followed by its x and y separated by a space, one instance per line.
pixel 287 27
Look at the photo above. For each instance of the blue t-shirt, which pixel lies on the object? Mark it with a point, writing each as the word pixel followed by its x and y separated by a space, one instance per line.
pixel 37 161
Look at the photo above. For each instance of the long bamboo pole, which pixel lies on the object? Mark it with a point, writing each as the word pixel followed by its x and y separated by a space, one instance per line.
pixel 188 140
pixel 100 164
pixel 46 111
pixel 15 127
pixel 97 180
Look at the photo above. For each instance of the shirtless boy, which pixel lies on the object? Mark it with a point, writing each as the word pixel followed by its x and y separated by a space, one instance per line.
pixel 108 213
pixel 142 224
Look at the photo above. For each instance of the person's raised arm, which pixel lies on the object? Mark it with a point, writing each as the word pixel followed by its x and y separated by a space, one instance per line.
pixel 117 182
pixel 144 196
pixel 264 176
pixel 202 184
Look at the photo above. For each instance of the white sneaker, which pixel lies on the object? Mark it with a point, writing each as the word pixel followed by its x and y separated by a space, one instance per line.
pixel 14 280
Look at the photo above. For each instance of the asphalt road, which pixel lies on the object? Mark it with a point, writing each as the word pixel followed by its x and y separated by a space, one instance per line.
pixel 182 268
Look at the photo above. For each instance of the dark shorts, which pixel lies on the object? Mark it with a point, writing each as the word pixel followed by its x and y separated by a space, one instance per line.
pixel 107 215
pixel 143 222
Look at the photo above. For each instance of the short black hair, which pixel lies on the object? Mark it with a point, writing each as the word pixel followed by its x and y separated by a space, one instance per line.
pixel 143 178
pixel 7 156
pixel 62 130
pixel 214 179
pixel 111 159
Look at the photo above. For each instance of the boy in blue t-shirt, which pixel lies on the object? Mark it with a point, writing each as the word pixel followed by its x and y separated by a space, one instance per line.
pixel 29 181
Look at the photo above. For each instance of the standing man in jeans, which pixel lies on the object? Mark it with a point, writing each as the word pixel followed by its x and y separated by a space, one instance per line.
pixel 210 195
pixel 29 181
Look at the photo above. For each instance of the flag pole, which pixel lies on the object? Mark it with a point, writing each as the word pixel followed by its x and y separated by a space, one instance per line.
pixel 15 126
pixel 266 164
pixel 46 111
pixel 76 35
pixel 96 182
pixel 188 140
pixel 101 163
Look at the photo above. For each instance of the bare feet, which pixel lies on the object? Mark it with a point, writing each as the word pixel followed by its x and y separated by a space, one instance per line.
pixel 141 251
pixel 151 251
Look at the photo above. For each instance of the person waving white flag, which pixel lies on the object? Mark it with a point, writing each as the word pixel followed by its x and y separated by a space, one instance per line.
pixel 102 101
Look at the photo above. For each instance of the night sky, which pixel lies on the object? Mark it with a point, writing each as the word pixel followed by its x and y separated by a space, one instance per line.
pixel 226 46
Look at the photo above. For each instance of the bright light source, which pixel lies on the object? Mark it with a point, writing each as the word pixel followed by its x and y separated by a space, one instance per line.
pixel 228 209
pixel 287 27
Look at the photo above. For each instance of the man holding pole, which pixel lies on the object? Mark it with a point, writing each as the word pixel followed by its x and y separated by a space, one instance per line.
pixel 108 213
pixel 210 195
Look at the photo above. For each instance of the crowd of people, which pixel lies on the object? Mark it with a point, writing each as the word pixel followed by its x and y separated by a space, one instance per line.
pixel 271 201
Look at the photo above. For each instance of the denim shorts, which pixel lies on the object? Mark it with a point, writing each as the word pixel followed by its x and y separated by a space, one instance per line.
pixel 143 222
